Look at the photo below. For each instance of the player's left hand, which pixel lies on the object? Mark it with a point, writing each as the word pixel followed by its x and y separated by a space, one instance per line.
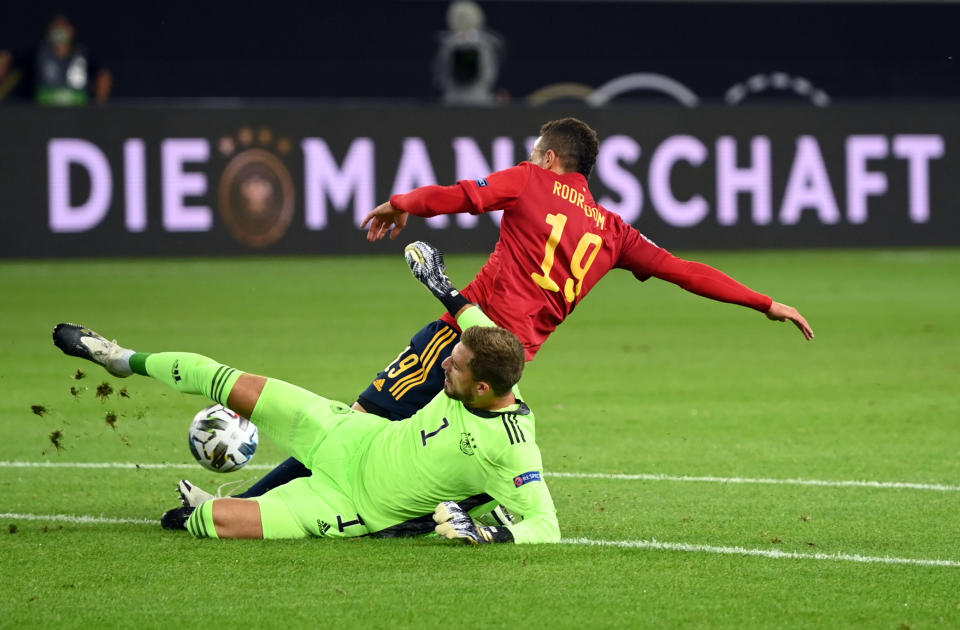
pixel 426 263
pixel 781 313
pixel 455 524
pixel 382 219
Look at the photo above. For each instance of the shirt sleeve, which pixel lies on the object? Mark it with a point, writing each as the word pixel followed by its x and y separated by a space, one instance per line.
pixel 639 254
pixel 474 316
pixel 522 490
pixel 497 191
pixel 429 201
pixel 709 282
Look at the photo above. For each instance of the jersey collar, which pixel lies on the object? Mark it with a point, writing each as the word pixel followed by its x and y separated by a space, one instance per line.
pixel 520 408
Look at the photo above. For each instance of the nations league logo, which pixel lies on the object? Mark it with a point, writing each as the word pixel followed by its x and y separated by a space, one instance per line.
pixel 527 477
pixel 256 194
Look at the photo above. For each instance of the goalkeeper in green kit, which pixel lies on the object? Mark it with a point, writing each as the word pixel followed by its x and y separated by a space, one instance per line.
pixel 372 477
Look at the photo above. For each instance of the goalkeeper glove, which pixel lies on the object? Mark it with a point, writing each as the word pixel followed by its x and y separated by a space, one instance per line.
pixel 455 524
pixel 426 263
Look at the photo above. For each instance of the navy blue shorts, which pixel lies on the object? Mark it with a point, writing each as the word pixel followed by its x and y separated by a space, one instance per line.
pixel 414 377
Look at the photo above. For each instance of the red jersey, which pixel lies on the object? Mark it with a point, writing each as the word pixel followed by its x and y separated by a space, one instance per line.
pixel 555 245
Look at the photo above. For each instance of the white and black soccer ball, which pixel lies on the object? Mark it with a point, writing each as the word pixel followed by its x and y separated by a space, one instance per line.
pixel 222 440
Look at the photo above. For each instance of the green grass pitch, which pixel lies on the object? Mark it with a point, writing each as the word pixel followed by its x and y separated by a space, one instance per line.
pixel 675 428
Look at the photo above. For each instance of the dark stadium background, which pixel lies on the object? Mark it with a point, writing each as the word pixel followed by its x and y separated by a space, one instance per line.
pixel 382 50
pixel 340 73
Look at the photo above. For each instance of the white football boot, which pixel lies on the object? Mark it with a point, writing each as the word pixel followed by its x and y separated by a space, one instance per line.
pixel 191 496
pixel 78 341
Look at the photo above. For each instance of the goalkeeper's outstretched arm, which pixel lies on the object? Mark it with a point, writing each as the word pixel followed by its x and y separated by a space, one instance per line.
pixel 426 263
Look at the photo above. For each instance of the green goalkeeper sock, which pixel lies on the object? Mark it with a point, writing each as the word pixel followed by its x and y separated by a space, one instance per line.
pixel 188 373
pixel 138 363
pixel 200 523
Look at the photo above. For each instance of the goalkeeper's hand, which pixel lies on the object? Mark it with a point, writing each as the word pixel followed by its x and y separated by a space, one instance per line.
pixel 426 263
pixel 455 524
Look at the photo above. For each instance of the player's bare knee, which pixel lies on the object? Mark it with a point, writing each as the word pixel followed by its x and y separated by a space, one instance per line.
pixel 237 518
pixel 245 394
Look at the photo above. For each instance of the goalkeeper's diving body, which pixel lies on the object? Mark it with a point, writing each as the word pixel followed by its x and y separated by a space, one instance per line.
pixel 370 476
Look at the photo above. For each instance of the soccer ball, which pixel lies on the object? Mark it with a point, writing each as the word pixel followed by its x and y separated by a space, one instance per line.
pixel 221 440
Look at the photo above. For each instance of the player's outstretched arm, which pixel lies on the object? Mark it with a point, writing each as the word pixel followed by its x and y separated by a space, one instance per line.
pixel 712 283
pixel 426 263
pixel 382 219
pixel 781 312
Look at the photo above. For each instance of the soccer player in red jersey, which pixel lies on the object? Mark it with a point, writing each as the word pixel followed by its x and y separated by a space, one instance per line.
pixel 555 244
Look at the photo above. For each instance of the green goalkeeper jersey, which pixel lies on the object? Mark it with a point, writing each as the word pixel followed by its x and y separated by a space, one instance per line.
pixel 400 471
pixel 449 452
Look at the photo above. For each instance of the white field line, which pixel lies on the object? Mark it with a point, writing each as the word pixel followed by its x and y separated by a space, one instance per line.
pixel 559 475
pixel 655 545
pixel 83 519
pixel 775 554
pixel 760 480
pixel 164 466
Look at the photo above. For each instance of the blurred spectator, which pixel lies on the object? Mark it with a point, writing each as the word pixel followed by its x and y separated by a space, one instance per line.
pixel 64 69
pixel 468 60
pixel 11 78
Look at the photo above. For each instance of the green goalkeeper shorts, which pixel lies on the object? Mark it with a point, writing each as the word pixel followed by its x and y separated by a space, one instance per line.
pixel 325 435
pixel 309 507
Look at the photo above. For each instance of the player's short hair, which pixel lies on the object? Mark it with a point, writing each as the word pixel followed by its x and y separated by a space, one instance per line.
pixel 498 357
pixel 574 142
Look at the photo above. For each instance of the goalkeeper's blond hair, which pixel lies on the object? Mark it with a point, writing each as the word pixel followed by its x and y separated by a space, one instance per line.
pixel 498 357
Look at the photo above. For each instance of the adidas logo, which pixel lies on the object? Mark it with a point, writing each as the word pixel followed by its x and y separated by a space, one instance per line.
pixel 379 384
